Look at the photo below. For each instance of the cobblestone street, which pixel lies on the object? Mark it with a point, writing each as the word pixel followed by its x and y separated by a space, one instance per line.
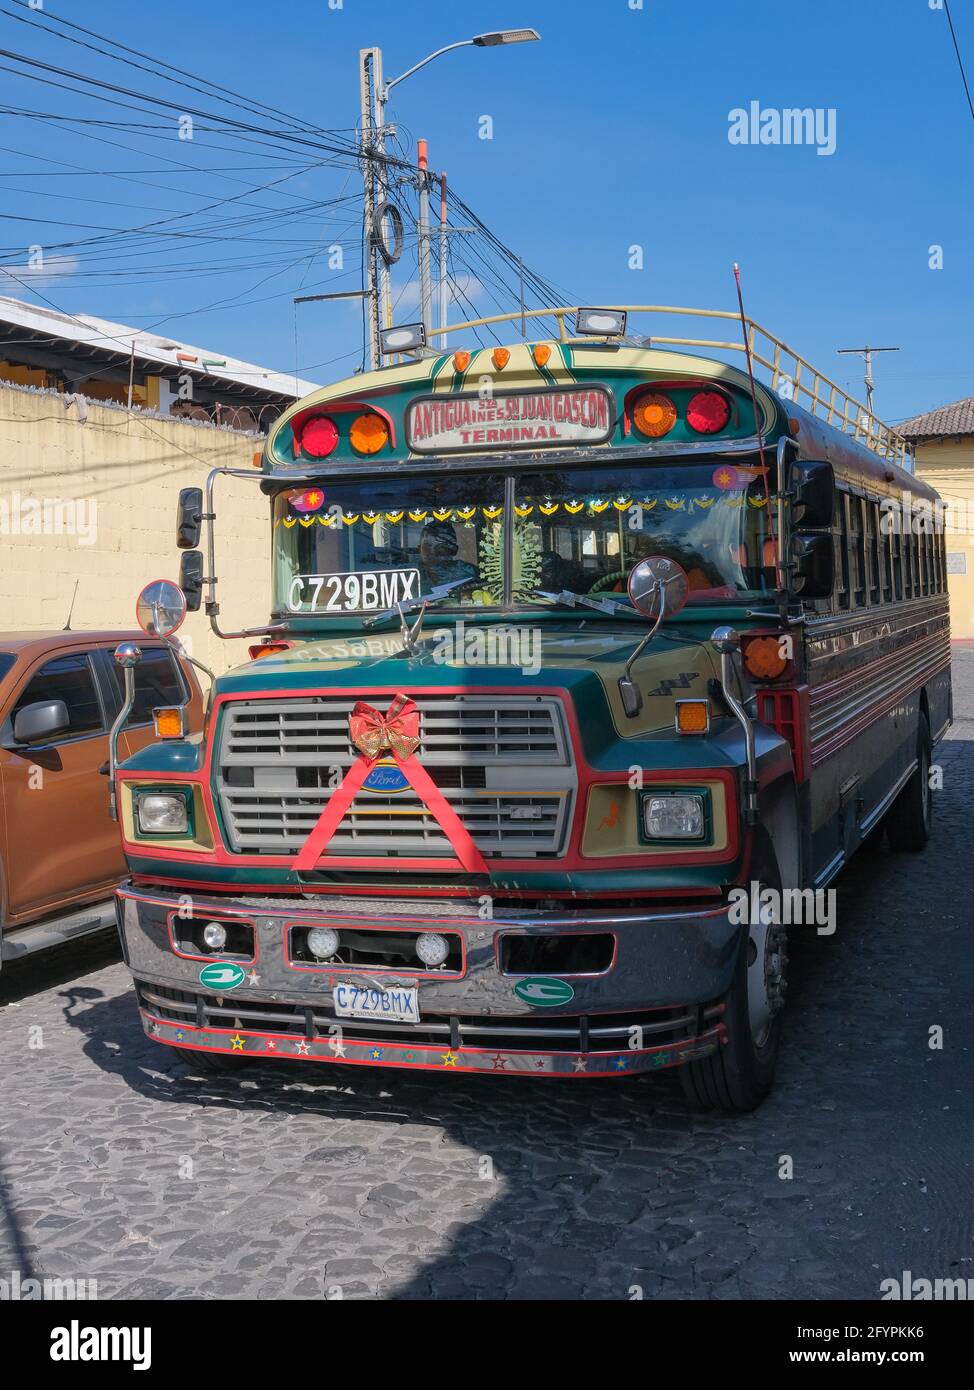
pixel 123 1165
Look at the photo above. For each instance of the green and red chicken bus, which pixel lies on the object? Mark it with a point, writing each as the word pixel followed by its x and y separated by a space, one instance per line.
pixel 572 641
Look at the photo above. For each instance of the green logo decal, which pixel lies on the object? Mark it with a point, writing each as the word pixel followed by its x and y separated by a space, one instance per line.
pixel 544 992
pixel 220 975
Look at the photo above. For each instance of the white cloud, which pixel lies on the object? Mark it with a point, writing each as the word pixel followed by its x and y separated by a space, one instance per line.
pixel 45 270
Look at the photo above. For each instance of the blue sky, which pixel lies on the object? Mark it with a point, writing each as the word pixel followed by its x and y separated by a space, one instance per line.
pixel 612 131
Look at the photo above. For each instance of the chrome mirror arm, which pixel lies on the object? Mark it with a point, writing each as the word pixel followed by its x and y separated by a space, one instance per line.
pixel 727 640
pixel 128 656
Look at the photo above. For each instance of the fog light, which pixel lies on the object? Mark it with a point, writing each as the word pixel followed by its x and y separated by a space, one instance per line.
pixel 323 942
pixel 432 949
pixel 215 936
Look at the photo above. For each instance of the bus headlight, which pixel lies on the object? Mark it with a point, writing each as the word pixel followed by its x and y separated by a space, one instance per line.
pixel 674 816
pixel 162 813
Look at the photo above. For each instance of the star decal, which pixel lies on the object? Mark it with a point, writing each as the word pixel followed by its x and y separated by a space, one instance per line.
pixel 270 1044
pixel 661 1059
pixel 237 1043
pixel 302 1048
pixel 499 1062
pixel 375 1053
pixel 410 1057
pixel 541 1063
pixel 620 1063
pixel 254 978
pixel 180 1035
pixel 450 1059
pixel 580 1064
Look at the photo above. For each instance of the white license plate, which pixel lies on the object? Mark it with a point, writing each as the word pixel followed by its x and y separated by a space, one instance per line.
pixel 397 1004
pixel 353 591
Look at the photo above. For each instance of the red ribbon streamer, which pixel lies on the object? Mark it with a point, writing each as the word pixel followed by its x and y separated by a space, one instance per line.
pixel 398 732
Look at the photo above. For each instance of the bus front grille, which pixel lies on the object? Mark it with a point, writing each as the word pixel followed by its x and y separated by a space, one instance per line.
pixel 504 764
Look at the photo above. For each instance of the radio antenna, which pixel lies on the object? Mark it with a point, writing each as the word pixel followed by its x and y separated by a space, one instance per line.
pixel 757 422
pixel 67 625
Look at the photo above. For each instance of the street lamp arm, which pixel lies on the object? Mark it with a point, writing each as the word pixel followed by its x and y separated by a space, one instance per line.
pixel 463 43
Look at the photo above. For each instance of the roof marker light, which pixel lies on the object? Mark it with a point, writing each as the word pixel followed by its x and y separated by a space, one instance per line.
pixel 541 353
pixel 708 412
pixel 461 360
pixel 654 415
pixel 319 436
pixel 500 358
pixel 368 434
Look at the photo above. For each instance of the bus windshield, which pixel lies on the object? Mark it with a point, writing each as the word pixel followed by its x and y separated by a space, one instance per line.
pixel 362 545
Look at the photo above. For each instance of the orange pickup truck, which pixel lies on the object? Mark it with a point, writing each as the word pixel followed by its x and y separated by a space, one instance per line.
pixel 60 854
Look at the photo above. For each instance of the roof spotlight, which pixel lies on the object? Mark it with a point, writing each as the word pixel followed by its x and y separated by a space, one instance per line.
pixel 405 337
pixel 600 323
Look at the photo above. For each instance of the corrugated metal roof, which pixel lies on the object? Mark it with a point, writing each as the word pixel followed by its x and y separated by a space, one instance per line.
pixel 953 419
pixel 87 331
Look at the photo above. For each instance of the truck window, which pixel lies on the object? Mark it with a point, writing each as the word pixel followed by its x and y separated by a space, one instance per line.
pixel 67 678
pixel 157 682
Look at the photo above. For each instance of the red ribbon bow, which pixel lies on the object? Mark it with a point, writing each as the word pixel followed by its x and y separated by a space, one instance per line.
pixel 373 733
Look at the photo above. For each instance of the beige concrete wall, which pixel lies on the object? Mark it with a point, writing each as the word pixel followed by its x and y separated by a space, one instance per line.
pixel 948 465
pixel 120 475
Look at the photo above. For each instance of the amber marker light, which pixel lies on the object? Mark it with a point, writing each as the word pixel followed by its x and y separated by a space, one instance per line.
pixel 268 649
pixel 368 434
pixel 169 722
pixel 654 415
pixel 461 360
pixel 541 353
pixel 500 358
pixel 763 659
pixel 692 716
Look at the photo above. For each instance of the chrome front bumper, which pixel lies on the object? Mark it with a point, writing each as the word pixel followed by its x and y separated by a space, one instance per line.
pixel 655 1005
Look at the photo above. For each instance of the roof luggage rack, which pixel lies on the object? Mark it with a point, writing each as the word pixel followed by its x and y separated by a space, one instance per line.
pixel 792 376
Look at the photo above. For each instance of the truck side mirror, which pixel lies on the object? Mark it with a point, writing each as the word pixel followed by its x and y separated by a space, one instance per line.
pixel 812 490
pixel 40 721
pixel 812 563
pixel 191 578
pixel 189 518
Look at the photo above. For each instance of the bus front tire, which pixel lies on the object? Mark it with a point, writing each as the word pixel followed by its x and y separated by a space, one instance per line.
pixel 739 1075
pixel 908 820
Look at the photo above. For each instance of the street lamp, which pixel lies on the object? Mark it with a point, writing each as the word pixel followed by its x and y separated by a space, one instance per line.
pixel 374 95
pixel 478 41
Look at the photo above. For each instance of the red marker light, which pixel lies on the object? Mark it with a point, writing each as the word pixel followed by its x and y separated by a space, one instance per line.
pixel 708 412
pixel 319 437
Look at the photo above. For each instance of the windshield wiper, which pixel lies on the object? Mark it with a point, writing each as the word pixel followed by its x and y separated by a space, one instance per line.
pixel 422 601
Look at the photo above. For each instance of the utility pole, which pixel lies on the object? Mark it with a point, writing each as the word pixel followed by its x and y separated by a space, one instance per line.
pixel 867 353
pixel 370 78
pixel 444 245
pixel 425 277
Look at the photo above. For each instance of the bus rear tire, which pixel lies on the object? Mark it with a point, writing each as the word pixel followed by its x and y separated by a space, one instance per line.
pixel 739 1075
pixel 909 818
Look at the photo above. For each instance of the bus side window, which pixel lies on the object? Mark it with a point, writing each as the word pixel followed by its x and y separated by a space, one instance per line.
pixel 841 533
pixel 873 552
pixel 857 550
pixel 925 586
pixel 908 542
pixel 896 549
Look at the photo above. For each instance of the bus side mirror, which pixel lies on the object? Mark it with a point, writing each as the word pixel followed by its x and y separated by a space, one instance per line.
pixel 191 577
pixel 812 491
pixel 189 518
pixel 812 563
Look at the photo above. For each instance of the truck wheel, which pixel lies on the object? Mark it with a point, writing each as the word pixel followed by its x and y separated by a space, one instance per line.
pixel 909 817
pixel 740 1074
pixel 210 1061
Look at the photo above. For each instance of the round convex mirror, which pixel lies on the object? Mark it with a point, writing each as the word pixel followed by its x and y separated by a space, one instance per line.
pixel 658 580
pixel 161 608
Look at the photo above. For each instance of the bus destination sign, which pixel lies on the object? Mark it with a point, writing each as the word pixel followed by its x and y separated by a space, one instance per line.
pixel 509 420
